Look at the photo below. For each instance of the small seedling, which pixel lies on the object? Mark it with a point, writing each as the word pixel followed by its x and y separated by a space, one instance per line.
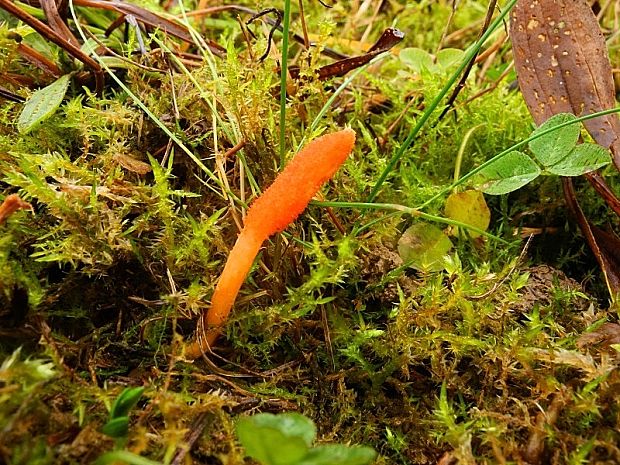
pixel 286 439
pixel 117 426
pixel 420 61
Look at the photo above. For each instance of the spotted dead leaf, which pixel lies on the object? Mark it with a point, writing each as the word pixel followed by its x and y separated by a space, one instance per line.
pixel 563 66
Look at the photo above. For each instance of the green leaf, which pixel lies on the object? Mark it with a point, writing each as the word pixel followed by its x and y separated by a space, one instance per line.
pixel 583 159
pixel 117 427
pixel 424 247
pixel 448 57
pixel 42 104
pixel 291 424
pixel 126 401
pixel 556 145
pixel 337 454
pixel 276 439
pixel 417 59
pixel 509 173
pixel 469 207
pixel 123 456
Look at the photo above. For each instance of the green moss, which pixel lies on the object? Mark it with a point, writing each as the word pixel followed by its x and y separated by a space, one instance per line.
pixel 487 361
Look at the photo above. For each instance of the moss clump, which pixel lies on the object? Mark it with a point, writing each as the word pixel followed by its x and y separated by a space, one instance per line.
pixel 501 357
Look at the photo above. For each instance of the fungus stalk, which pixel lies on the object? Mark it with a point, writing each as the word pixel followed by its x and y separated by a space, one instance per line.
pixel 270 213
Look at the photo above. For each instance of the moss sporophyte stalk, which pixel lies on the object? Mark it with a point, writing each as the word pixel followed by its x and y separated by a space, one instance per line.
pixel 272 212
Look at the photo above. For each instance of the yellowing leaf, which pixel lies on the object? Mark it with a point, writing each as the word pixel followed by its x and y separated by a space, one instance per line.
pixel 469 207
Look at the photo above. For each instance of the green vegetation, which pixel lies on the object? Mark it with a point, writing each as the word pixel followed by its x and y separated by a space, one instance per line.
pixel 286 439
pixel 118 424
pixel 404 311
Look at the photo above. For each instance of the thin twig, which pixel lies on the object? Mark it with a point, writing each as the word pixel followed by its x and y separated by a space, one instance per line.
pixel 470 65
pixel 195 431
pixel 273 29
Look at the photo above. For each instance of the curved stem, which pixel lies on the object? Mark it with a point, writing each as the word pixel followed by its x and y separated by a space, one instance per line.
pixel 410 211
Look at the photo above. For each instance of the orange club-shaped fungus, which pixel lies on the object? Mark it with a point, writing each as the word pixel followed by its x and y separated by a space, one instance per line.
pixel 272 212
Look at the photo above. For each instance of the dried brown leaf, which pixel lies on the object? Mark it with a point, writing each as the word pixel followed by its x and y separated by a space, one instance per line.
pixel 607 334
pixel 589 366
pixel 545 419
pixel 151 19
pixel 131 164
pixel 388 39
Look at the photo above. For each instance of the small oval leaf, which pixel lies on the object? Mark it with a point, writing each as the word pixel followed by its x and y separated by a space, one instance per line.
pixel 556 145
pixel 126 401
pixel 583 159
pixel 337 454
pixel 424 247
pixel 417 59
pixel 509 173
pixel 117 427
pixel 42 104
pixel 449 57
pixel 469 207
pixel 293 434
